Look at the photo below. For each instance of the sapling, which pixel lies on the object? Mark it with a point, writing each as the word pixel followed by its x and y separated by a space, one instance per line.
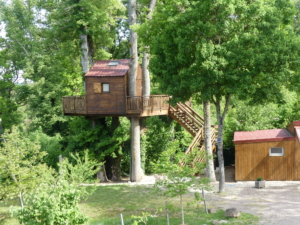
pixel 180 179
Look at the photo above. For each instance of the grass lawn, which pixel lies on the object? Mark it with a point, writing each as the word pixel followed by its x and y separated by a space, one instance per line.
pixel 108 202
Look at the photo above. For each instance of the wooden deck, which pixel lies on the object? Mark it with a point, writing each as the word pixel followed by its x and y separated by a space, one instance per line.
pixel 141 106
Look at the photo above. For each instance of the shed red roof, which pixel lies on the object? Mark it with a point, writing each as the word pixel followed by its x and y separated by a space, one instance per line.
pixel 262 136
pixel 101 68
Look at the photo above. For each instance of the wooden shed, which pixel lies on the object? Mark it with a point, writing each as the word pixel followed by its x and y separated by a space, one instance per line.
pixel 271 154
pixel 106 86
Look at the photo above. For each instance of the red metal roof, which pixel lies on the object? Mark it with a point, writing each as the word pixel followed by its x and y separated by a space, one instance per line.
pixel 262 136
pixel 101 68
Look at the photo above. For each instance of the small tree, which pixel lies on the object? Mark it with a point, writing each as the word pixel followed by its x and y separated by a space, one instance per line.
pixel 21 167
pixel 179 179
pixel 52 204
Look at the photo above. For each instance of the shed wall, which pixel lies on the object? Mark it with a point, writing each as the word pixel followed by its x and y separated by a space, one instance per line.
pixel 113 102
pixel 252 160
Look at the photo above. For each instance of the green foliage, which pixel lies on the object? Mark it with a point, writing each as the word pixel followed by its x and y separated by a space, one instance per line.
pixel 143 219
pixel 52 204
pixel 83 169
pixel 56 202
pixel 178 178
pixel 188 43
pixel 21 167
pixel 259 179
pixel 244 116
pixel 101 141
pixel 51 145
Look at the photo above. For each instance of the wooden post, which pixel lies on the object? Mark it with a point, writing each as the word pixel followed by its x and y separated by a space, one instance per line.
pixel 167 213
pixel 204 201
pixel 121 217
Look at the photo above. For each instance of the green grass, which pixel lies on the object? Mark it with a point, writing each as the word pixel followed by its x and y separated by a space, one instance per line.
pixel 106 204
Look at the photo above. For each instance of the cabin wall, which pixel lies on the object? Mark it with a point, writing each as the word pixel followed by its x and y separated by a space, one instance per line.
pixel 297 159
pixel 113 102
pixel 139 82
pixel 252 160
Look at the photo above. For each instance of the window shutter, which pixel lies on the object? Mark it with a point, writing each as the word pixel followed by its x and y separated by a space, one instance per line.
pixel 97 88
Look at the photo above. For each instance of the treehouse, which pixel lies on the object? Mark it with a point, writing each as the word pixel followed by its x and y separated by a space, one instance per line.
pixel 106 87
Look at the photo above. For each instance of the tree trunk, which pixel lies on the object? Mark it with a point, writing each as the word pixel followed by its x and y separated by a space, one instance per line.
pixel 101 174
pixel 135 168
pixel 182 212
pixel 133 49
pixel 84 54
pixel 115 162
pixel 116 167
pixel 146 58
pixel 221 118
pixel 146 74
pixel 210 173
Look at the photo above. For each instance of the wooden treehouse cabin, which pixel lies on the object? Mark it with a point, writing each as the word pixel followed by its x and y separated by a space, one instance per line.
pixel 106 86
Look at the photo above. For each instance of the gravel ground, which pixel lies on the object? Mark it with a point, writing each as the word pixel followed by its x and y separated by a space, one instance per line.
pixel 277 204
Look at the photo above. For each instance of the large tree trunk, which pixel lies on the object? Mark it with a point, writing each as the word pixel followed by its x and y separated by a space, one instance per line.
pixel 84 54
pixel 116 161
pixel 210 173
pixel 146 74
pixel 221 118
pixel 135 168
pixel 116 167
pixel 146 57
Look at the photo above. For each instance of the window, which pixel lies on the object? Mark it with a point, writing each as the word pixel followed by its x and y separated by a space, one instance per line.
pixel 105 87
pixel 113 63
pixel 97 88
pixel 278 151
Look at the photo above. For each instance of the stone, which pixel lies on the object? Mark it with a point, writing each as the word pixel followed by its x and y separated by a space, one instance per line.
pixel 216 222
pixel 232 212
pixel 211 210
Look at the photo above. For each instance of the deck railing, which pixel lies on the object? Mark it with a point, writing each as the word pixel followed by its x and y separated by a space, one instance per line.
pixel 137 104
pixel 74 104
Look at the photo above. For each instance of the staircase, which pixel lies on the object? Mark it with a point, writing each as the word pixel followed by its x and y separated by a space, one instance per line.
pixel 194 124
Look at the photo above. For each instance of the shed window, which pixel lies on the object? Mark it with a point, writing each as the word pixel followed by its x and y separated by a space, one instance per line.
pixel 276 151
pixel 105 87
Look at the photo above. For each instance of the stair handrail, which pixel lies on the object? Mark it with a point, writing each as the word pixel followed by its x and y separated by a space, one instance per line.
pixel 190 115
pixel 194 113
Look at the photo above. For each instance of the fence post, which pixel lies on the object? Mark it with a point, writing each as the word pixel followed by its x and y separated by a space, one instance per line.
pixel 204 201
pixel 167 213
pixel 121 217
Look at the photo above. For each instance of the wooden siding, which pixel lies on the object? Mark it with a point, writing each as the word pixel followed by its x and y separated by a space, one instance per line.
pixel 139 82
pixel 252 160
pixel 112 102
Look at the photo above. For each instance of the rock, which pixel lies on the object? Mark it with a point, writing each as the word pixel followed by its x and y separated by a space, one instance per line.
pixel 232 212
pixel 216 222
pixel 211 210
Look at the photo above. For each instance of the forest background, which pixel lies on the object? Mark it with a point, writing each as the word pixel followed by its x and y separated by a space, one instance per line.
pixel 40 53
